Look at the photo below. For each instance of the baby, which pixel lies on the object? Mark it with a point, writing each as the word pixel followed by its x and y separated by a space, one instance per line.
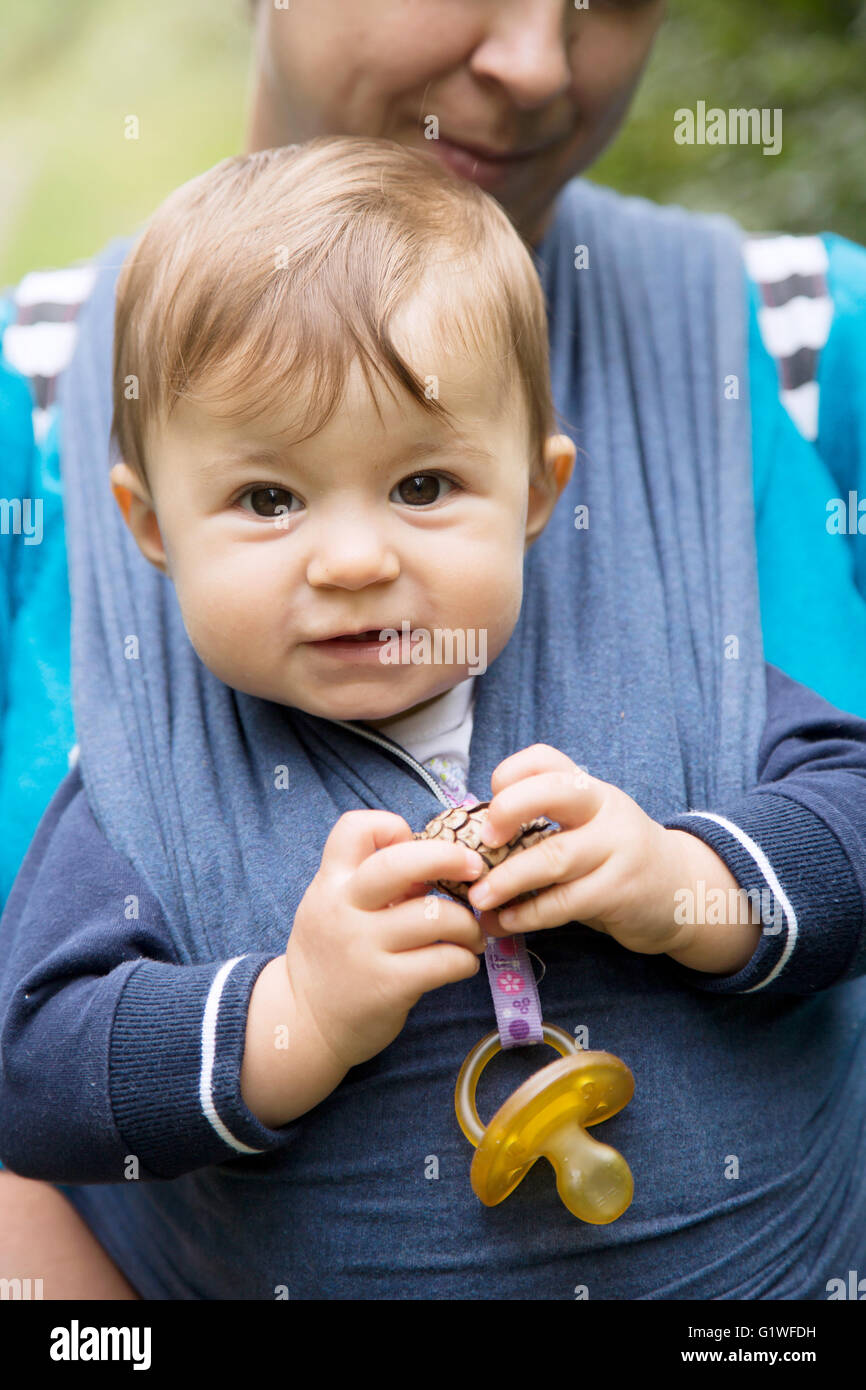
pixel 333 423
pixel 303 529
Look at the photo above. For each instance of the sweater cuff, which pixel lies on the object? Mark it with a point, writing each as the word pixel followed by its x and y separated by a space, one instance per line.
pixel 798 882
pixel 175 1057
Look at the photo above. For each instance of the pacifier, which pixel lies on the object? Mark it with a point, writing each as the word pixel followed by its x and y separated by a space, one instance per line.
pixel 548 1117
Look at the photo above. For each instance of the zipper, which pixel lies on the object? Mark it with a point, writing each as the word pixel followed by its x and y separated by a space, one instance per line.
pixel 401 753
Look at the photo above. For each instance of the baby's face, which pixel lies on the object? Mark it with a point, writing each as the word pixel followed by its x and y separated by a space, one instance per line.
pixel 368 525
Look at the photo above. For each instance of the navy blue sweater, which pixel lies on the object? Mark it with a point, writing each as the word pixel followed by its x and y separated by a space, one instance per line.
pixel 746 1135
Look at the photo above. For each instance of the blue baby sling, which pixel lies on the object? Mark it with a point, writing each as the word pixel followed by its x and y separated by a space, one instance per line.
pixel 637 651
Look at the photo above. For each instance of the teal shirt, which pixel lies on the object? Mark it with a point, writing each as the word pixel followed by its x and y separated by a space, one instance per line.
pixel 812 582
pixel 37 724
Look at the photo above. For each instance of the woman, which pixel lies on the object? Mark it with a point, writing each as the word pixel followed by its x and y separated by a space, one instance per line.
pixel 520 97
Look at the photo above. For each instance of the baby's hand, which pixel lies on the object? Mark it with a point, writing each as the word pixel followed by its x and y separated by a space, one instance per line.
pixel 610 866
pixel 368 939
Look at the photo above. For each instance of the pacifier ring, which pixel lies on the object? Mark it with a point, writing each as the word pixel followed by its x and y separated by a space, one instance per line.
pixel 549 1115
pixel 470 1074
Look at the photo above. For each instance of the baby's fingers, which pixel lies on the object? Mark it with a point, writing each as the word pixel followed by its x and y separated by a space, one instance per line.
pixel 571 798
pixel 359 834
pixel 595 901
pixel 424 921
pixel 558 859
pixel 538 757
pixel 402 870
pixel 430 967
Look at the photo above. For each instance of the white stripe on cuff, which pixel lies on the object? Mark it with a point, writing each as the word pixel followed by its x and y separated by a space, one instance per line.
pixel 769 873
pixel 208 1052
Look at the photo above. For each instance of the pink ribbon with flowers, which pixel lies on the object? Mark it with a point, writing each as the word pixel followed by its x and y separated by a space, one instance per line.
pixel 509 970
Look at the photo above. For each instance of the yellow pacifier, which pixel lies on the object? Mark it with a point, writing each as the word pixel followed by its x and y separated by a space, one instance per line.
pixel 548 1116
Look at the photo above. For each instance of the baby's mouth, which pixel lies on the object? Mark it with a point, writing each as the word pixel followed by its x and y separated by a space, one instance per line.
pixel 371 635
pixel 372 642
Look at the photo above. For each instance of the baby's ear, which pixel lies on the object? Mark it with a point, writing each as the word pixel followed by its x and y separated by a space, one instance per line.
pixel 559 455
pixel 134 500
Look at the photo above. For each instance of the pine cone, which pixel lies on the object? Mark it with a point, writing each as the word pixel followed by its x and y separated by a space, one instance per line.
pixel 464 824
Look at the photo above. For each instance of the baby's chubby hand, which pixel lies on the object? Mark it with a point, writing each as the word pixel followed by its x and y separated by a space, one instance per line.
pixel 368 937
pixel 610 866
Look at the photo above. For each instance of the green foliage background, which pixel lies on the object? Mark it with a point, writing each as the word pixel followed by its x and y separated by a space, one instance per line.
pixel 72 70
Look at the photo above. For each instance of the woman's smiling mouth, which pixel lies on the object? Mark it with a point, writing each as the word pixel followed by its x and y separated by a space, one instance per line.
pixel 485 168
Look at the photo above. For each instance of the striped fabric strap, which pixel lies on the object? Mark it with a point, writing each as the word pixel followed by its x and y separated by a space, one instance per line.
pixel 795 316
pixel 509 970
pixel 790 272
pixel 39 338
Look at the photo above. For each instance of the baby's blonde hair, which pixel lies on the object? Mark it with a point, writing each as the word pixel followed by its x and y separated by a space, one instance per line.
pixel 270 272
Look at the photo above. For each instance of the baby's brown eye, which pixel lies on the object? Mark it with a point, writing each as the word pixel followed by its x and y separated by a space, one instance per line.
pixel 422 488
pixel 268 501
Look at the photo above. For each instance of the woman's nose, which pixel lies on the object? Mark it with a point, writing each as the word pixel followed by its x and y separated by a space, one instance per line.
pixel 525 50
pixel 351 557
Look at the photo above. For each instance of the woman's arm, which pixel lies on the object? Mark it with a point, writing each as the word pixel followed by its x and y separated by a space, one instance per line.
pixel 45 1241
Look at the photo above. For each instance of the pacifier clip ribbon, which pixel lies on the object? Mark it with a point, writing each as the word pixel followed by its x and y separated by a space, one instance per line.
pixel 549 1115
pixel 509 970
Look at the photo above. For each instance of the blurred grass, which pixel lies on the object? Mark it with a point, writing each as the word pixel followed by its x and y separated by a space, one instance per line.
pixel 71 71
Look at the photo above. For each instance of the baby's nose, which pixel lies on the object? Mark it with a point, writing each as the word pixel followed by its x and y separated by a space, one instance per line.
pixel 352 558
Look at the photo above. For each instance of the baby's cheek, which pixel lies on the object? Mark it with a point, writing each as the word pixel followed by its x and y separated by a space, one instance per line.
pixel 491 589
pixel 220 621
